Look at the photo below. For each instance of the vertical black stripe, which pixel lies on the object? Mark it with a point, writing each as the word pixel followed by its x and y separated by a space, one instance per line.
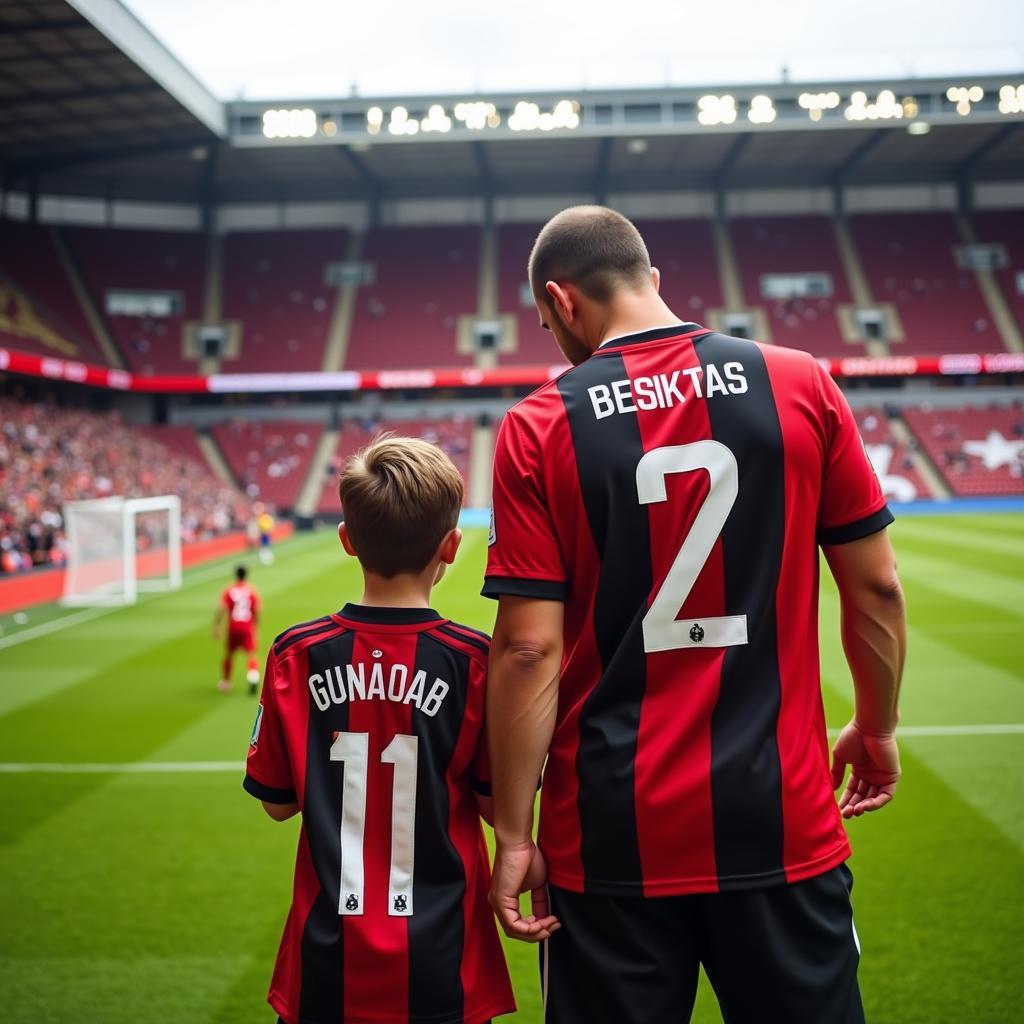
pixel 607 452
pixel 746 777
pixel 436 928
pixel 322 997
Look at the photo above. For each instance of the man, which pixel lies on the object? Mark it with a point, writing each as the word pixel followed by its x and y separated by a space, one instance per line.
pixel 657 511
pixel 240 604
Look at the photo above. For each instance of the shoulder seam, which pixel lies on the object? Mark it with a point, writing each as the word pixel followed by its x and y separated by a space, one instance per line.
pixel 302 626
pixel 295 643
pixel 477 647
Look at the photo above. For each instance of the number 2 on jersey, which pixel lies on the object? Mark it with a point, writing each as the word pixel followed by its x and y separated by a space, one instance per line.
pixel 352 748
pixel 662 630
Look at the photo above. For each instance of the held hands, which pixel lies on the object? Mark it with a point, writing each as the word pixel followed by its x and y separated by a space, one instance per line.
pixel 874 761
pixel 517 869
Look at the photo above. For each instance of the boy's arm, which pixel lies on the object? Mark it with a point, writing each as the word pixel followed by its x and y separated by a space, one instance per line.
pixel 280 812
pixel 485 804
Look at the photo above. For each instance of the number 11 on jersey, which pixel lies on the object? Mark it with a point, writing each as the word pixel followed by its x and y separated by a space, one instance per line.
pixel 352 749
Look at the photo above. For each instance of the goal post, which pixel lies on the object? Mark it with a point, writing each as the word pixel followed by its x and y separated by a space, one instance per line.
pixel 117 547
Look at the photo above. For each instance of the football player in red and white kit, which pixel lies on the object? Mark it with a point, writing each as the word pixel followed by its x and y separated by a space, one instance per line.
pixel 240 604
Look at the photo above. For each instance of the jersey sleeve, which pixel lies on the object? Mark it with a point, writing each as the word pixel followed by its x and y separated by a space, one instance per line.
pixel 268 772
pixel 523 558
pixel 225 599
pixel 852 504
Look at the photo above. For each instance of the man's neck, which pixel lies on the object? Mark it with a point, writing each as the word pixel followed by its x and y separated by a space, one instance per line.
pixel 633 313
pixel 399 591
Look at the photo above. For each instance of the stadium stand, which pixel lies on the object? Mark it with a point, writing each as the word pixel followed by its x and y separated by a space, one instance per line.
pixel 39 312
pixel 50 455
pixel 160 261
pixel 426 277
pixel 909 261
pixel 895 464
pixel 274 284
pixel 534 344
pixel 453 436
pixel 270 459
pixel 1006 227
pixel 978 451
pixel 778 245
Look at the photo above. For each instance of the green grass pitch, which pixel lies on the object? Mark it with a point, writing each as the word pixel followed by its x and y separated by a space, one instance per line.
pixel 139 896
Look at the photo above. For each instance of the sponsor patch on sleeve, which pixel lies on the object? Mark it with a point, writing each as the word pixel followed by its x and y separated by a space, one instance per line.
pixel 255 737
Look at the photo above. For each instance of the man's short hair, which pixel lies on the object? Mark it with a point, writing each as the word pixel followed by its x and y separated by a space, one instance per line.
pixel 399 496
pixel 240 573
pixel 592 247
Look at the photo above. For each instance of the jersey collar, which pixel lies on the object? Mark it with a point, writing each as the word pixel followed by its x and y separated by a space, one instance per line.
pixel 389 616
pixel 684 330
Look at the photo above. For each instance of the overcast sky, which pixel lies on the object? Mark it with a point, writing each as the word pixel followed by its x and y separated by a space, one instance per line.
pixel 264 49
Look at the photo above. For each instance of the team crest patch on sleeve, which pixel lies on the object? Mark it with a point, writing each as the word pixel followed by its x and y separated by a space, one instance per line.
pixel 255 737
pixel 492 536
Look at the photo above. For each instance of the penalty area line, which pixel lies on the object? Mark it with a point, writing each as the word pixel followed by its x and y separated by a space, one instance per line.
pixel 205 767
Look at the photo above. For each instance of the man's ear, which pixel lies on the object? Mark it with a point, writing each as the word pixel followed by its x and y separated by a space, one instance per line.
pixel 656 278
pixel 346 541
pixel 562 301
pixel 450 546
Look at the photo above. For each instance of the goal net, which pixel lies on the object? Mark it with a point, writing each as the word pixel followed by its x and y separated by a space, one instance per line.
pixel 118 547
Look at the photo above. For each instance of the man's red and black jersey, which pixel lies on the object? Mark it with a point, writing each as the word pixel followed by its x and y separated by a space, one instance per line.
pixel 672 491
pixel 372 720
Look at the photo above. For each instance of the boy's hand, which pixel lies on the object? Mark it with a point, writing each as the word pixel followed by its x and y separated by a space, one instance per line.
pixel 874 761
pixel 517 869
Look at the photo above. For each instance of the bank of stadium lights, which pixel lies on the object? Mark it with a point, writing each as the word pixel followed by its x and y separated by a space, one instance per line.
pixel 713 109
pixel 762 110
pixel 477 116
pixel 289 124
pixel 963 97
pixel 816 103
pixel 528 117
pixel 1011 99
pixel 885 108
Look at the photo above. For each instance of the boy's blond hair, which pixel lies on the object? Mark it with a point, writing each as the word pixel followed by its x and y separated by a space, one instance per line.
pixel 400 496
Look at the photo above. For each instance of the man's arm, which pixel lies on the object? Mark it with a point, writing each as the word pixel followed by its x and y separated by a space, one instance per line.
pixel 280 812
pixel 218 619
pixel 522 701
pixel 874 631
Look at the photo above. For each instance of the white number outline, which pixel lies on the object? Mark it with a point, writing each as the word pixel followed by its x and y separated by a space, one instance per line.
pixel 662 630
pixel 352 748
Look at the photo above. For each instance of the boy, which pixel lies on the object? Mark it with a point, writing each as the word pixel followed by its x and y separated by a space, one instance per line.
pixel 371 725
pixel 241 604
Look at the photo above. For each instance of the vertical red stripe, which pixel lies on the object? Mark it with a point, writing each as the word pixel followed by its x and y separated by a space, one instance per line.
pixel 286 984
pixel 674 818
pixel 812 828
pixel 376 944
pixel 560 830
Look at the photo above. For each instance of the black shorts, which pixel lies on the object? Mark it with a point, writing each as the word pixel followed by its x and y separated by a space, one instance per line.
pixel 785 954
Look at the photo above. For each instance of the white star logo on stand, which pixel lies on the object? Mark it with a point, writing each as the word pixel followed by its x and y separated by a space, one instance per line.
pixel 995 450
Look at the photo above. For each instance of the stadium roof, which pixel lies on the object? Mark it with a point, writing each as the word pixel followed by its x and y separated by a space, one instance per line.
pixel 91 103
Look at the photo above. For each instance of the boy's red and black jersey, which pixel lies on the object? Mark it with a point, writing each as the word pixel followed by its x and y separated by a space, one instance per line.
pixel 372 720
pixel 672 491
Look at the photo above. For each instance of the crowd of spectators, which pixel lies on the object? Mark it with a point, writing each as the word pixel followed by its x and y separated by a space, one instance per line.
pixel 51 455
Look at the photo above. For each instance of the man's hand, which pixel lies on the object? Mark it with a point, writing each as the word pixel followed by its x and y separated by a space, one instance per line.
pixel 874 761
pixel 516 870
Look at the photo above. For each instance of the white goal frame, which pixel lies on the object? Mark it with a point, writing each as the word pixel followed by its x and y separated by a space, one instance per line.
pixel 130 584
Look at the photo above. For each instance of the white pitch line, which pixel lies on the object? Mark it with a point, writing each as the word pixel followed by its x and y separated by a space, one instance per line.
pixel 909 731
pixel 121 768
pixel 199 767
